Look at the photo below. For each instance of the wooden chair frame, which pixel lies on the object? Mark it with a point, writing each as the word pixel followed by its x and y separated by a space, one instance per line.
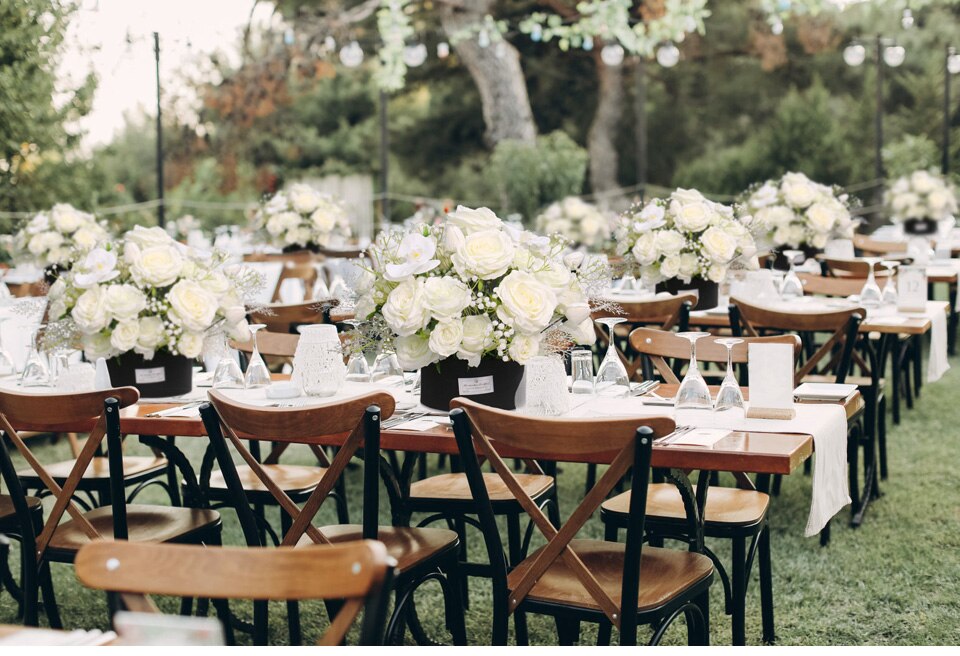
pixel 281 318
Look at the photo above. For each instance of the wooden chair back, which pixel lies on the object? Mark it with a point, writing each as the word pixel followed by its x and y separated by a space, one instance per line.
pixel 357 572
pixel 853 268
pixel 869 246
pixel 839 287
pixel 659 345
pixel 280 318
pixel 480 429
pixel 225 419
pixel 297 257
pixel 272 346
pixel 102 410
pixel 305 271
pixel 835 355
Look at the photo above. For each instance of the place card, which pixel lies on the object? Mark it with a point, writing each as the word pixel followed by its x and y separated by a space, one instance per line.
pixel 418 425
pixel 700 437
pixel 771 381
pixel 912 289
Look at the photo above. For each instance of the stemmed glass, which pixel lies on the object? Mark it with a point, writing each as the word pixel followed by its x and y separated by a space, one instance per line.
pixel 36 373
pixel 791 287
pixel 257 373
pixel 7 366
pixel 612 379
pixel 358 370
pixel 890 296
pixel 693 393
pixel 870 295
pixel 386 365
pixel 730 396
pixel 227 375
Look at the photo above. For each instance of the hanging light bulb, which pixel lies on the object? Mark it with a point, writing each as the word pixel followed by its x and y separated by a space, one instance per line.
pixel 668 55
pixel 536 33
pixel 351 55
pixel 854 54
pixel 777 27
pixel 483 39
pixel 612 55
pixel 443 50
pixel 894 55
pixel 953 63
pixel 329 44
pixel 906 20
pixel 588 43
pixel 415 55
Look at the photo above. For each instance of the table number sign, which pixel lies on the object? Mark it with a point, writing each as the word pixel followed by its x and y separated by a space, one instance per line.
pixel 912 289
pixel 771 381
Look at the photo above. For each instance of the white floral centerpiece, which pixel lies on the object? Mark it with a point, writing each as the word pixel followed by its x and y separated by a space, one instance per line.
pixel 921 196
pixel 795 212
pixel 472 292
pixel 684 238
pixel 150 296
pixel 302 217
pixel 181 228
pixel 58 237
pixel 577 220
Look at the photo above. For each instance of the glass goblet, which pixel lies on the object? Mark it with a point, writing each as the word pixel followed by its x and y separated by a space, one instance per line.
pixel 693 393
pixel 792 287
pixel 871 296
pixel 227 374
pixel 890 295
pixel 612 378
pixel 36 373
pixel 358 370
pixel 257 373
pixel 729 396
pixel 386 365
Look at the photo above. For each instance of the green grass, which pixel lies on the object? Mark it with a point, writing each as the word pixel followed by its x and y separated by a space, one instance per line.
pixel 892 581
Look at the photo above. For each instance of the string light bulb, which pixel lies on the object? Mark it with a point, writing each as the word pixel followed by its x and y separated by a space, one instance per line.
pixel 351 55
pixel 668 55
pixel 854 54
pixel 894 55
pixel 953 62
pixel 443 50
pixel 906 20
pixel 415 55
pixel 612 55
pixel 777 27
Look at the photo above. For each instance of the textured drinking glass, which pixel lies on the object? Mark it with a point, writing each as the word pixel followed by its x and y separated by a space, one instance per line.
pixel 693 393
pixel 257 373
pixel 581 371
pixel 612 379
pixel 546 387
pixel 870 295
pixel 791 287
pixel 324 373
pixel 890 296
pixel 358 370
pixel 730 395
pixel 7 366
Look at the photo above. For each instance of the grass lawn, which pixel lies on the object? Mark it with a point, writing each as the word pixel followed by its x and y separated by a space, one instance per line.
pixel 895 580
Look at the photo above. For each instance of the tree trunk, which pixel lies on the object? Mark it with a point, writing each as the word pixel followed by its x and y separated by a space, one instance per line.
pixel 497 73
pixel 602 138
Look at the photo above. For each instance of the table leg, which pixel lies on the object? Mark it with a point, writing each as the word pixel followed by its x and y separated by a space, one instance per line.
pixel 193 495
pixel 952 321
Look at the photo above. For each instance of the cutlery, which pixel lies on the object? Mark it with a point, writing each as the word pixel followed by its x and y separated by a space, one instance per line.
pixel 645 388
pixel 402 418
pixel 674 436
pixel 175 410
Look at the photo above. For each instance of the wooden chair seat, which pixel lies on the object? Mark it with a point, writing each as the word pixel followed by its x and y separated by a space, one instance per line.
pixel 725 505
pixel 98 469
pixel 666 574
pixel 145 523
pixel 454 487
pixel 292 479
pixel 408 546
pixel 7 513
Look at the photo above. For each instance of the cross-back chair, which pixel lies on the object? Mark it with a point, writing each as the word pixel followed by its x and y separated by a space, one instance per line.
pixel 58 541
pixel 422 554
pixel 305 271
pixel 10 529
pixel 571 579
pixel 853 268
pixel 869 246
pixel 357 572
pixel 280 318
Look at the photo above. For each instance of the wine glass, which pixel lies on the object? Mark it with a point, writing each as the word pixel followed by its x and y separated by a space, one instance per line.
pixel 7 366
pixel 227 374
pixel 890 296
pixel 612 379
pixel 870 295
pixel 257 373
pixel 358 370
pixel 791 287
pixel 730 396
pixel 36 373
pixel 386 365
pixel 693 393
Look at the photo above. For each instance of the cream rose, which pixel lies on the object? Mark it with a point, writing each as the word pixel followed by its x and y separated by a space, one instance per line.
pixel 66 219
pixel 446 297
pixel 670 267
pixel 523 348
pixel 96 345
pixel 526 303
pixel 303 199
pixel 474 220
pixel 689 265
pixel 147 237
pixel 88 312
pixel 718 244
pixel 446 336
pixel 157 266
pixel 645 249
pixel 323 220
pixel 798 191
pixel 486 254
pixel 717 273
pixel 669 242
pixel 86 238
pixel 477 336
pixel 216 283
pixel 554 275
pixel 192 306
pixel 413 352
pixel 124 303
pixel 190 344
pixel 692 217
pixel 150 333
pixel 404 310
pixel 124 336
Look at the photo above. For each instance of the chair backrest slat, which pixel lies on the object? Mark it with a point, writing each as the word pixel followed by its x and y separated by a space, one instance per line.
pixel 281 318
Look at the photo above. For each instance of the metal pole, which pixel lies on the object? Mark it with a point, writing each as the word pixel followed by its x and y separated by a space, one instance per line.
pixel 384 162
pixel 160 215
pixel 640 116
pixel 878 119
pixel 945 164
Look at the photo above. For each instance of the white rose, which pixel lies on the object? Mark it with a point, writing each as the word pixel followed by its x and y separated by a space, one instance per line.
pixel 573 260
pixel 689 265
pixel 89 313
pixel 323 220
pixel 275 226
pixel 85 238
pixel 939 199
pixel 923 182
pixel 190 344
pixel 65 218
pixel 554 275
pixel 150 333
pixel 692 217
pixel 782 236
pixel 474 220
pixel 477 337
pixel 902 201
pixel 645 250
pixel 582 333
pixel 216 283
pixel 157 266
pixel 124 302
pixel 452 238
pixel 819 240
pixel 234 314
pixel 670 267
pixel 717 273
pixel 44 242
pixel 413 352
pixel 822 218
pixel 526 303
pixel 288 220
pixel 718 244
pixel 97 345
pixel 124 336
pixel 404 310
pixel 58 308
pixel 688 196
pixel 147 237
pixel 486 254
pixel 523 348
pixel 239 331
pixel 797 234
pixel 446 337
pixel 652 212
pixel 798 190
pixel 192 306
pixel 764 196
pixel 669 242
pixel 445 297
pixel 303 198
pixel 57 289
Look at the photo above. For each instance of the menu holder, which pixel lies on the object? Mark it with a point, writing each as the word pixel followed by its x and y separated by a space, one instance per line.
pixel 771 381
pixel 912 289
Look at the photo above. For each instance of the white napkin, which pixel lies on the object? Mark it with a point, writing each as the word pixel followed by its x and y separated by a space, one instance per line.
pixel 938 364
pixel 701 437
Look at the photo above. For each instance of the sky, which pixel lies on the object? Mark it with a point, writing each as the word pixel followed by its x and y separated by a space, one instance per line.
pixel 190 30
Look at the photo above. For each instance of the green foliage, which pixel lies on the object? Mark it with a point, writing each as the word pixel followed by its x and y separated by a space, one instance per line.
pixel 909 154
pixel 531 176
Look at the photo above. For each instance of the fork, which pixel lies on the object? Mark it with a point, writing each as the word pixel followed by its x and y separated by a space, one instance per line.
pixel 679 432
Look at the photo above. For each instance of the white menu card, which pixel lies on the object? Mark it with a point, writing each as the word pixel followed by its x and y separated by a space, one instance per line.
pixel 771 381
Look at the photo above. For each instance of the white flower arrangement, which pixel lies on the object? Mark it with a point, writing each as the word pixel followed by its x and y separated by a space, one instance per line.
pixel 921 195
pixel 58 237
pixel 794 211
pixel 684 236
pixel 577 220
pixel 149 293
pixel 475 287
pixel 302 216
pixel 181 228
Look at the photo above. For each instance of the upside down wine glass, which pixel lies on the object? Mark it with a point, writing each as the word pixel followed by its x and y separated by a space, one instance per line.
pixel 612 379
pixel 729 396
pixel 358 370
pixel 693 393
pixel 890 294
pixel 792 287
pixel 870 295
pixel 227 375
pixel 257 373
